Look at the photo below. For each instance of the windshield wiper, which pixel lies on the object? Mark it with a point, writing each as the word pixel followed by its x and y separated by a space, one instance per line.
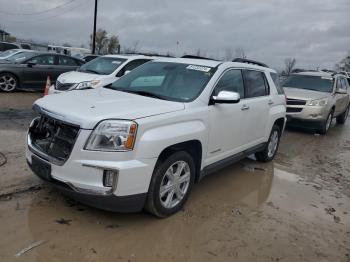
pixel 90 71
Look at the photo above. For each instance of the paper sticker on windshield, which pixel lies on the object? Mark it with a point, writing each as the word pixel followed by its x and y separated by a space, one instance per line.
pixel 116 62
pixel 199 68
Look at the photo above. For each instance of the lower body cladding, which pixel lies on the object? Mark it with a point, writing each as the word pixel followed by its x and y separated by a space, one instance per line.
pixel 96 178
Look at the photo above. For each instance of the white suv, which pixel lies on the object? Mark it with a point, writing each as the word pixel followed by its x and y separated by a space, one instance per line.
pixel 98 72
pixel 143 141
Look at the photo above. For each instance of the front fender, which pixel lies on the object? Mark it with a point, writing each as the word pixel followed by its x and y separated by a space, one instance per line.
pixel 153 141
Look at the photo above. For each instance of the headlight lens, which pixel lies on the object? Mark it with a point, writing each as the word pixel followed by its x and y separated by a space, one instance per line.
pixel 113 135
pixel 318 102
pixel 87 84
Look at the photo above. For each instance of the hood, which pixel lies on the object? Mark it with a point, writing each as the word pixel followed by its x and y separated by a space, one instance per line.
pixel 304 94
pixel 88 107
pixel 3 61
pixel 78 77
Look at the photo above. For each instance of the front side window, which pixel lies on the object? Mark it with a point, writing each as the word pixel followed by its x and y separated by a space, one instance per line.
pixel 166 80
pixel 43 60
pixel 344 84
pixel 315 83
pixel 232 81
pixel 255 83
pixel 102 65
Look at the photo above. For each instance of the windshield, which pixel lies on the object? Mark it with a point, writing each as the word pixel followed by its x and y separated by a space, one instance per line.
pixel 8 53
pixel 102 65
pixel 165 80
pixel 20 57
pixel 315 83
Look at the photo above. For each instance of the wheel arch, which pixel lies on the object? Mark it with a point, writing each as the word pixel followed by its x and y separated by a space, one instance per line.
pixel 192 147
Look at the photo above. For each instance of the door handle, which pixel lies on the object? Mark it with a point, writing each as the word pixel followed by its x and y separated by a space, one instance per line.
pixel 244 107
pixel 270 102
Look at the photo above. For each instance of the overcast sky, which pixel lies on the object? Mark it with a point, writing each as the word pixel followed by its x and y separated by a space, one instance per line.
pixel 315 32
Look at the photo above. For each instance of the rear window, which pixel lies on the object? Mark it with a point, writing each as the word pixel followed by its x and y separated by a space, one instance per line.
pixel 277 83
pixel 315 83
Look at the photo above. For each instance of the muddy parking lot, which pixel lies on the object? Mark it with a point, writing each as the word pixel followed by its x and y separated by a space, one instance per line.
pixel 296 208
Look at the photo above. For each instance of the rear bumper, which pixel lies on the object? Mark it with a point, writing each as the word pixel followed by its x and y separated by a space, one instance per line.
pixel 109 202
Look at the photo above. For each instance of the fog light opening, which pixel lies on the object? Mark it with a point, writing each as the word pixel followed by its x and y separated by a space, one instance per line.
pixel 109 178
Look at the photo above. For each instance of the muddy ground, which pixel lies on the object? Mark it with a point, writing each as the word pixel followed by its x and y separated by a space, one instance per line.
pixel 296 208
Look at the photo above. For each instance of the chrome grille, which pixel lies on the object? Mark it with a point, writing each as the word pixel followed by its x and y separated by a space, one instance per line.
pixel 296 102
pixel 52 138
pixel 63 86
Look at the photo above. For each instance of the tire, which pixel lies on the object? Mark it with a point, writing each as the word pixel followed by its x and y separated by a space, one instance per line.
pixel 271 147
pixel 341 119
pixel 8 82
pixel 175 192
pixel 327 123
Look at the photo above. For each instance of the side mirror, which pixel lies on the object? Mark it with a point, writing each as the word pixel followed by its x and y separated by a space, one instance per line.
pixel 127 72
pixel 31 64
pixel 226 97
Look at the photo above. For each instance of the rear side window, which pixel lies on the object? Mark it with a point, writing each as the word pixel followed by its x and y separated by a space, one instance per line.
pixel 232 81
pixel 277 83
pixel 66 61
pixel 255 83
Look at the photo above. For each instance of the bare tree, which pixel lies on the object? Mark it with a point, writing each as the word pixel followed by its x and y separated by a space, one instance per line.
pixel 198 52
pixel 132 49
pixel 289 65
pixel 344 64
pixel 229 54
pixel 113 44
pixel 240 53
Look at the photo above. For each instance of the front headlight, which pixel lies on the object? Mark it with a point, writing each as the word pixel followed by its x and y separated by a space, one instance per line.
pixel 113 135
pixel 87 84
pixel 318 102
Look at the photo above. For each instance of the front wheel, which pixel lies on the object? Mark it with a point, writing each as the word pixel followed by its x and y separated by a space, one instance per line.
pixel 171 184
pixel 341 119
pixel 271 147
pixel 327 123
pixel 8 82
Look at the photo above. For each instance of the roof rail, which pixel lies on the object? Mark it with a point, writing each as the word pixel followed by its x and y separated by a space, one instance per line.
pixel 248 61
pixel 145 54
pixel 197 57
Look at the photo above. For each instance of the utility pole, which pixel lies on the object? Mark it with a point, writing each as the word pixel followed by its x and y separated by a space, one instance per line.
pixel 94 32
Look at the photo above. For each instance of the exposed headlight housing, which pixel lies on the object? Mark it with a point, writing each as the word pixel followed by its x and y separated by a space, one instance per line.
pixel 112 136
pixel 318 102
pixel 87 84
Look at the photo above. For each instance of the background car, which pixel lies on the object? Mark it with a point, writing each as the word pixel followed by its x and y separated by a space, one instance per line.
pixel 315 98
pixel 29 70
pixel 8 53
pixel 86 57
pixel 101 71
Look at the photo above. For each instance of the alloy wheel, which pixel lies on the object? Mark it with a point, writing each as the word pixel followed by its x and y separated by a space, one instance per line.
pixel 273 143
pixel 175 184
pixel 7 83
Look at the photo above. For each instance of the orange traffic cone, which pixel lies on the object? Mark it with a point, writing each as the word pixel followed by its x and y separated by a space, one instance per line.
pixel 47 86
